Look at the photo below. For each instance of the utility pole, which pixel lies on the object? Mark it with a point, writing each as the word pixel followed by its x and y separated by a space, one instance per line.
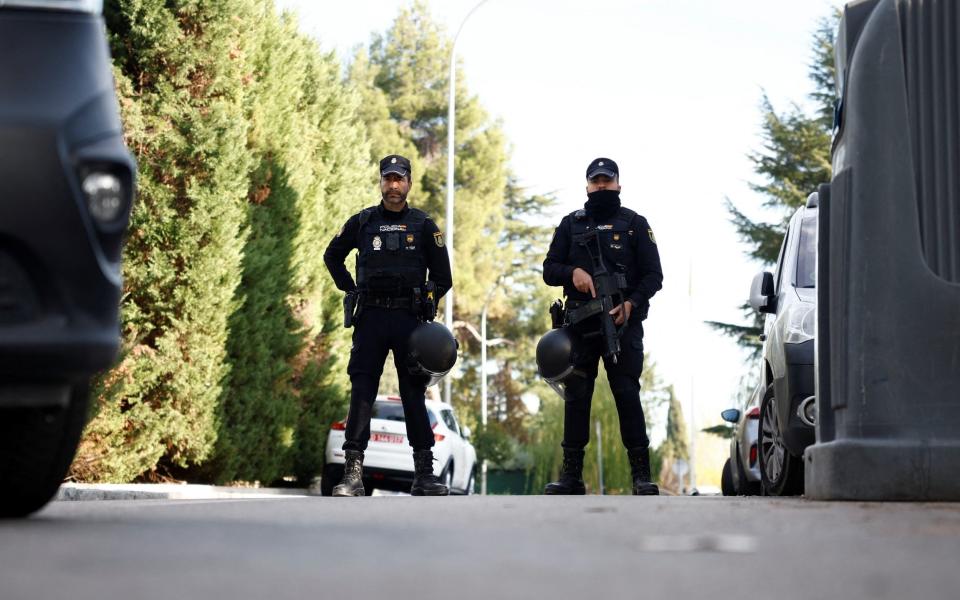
pixel 451 147
pixel 693 404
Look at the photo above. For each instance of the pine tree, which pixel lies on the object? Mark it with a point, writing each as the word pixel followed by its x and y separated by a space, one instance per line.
pixel 403 81
pixel 794 160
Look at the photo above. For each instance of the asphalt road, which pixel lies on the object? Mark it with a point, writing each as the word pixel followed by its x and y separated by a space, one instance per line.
pixel 482 547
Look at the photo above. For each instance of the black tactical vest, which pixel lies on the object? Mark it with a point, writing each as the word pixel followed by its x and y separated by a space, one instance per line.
pixel 390 257
pixel 618 243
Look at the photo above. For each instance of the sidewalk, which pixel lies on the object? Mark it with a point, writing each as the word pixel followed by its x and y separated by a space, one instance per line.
pixel 169 491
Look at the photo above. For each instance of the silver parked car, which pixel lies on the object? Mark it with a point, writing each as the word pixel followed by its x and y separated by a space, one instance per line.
pixel 788 297
pixel 741 472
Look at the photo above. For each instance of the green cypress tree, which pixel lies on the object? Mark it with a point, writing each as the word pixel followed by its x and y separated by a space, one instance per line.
pixel 285 343
pixel 675 445
pixel 179 67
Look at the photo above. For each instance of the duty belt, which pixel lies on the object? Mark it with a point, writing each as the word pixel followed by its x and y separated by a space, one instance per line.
pixel 388 302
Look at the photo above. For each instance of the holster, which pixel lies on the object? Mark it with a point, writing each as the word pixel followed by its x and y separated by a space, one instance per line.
pixel 350 302
pixel 556 314
pixel 425 301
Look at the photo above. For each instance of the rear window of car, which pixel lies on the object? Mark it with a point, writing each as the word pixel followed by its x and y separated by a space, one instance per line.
pixel 449 420
pixel 807 255
pixel 389 410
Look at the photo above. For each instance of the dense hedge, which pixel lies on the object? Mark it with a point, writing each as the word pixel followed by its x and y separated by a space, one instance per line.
pixel 250 156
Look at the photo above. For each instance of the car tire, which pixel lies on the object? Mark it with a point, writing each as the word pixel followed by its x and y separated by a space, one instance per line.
pixel 332 473
pixel 471 482
pixel 446 476
pixel 37 446
pixel 746 487
pixel 781 473
pixel 726 480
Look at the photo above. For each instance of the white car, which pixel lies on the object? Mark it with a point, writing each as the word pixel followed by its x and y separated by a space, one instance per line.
pixel 388 460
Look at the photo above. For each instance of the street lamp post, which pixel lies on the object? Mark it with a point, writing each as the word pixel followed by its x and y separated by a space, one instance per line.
pixel 451 130
pixel 483 389
pixel 483 376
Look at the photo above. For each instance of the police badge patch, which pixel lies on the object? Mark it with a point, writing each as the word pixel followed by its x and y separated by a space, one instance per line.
pixel 409 238
pixel 438 239
pixel 377 242
pixel 650 233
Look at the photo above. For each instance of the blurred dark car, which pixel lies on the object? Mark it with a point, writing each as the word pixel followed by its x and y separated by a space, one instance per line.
pixel 66 188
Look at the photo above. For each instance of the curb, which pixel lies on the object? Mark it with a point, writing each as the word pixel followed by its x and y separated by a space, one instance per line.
pixel 70 492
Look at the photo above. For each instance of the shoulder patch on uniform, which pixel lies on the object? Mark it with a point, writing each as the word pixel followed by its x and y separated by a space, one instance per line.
pixel 438 239
pixel 652 238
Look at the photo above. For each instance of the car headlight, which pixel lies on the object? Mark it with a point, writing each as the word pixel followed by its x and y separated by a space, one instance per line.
pixel 105 195
pixel 801 324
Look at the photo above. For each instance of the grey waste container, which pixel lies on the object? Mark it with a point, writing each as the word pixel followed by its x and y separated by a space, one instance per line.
pixel 888 339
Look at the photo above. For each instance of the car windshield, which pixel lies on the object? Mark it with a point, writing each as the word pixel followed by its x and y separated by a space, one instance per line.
pixel 391 410
pixel 807 256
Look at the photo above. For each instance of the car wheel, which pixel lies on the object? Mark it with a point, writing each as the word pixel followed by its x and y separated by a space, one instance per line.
pixel 332 473
pixel 781 474
pixel 471 482
pixel 746 487
pixel 446 477
pixel 726 480
pixel 37 446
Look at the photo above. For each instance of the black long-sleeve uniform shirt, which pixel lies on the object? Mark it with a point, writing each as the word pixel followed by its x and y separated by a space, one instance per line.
pixel 437 259
pixel 648 274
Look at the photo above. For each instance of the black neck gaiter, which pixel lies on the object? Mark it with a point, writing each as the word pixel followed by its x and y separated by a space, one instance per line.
pixel 602 203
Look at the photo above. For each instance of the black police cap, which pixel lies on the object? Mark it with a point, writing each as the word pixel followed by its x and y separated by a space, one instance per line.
pixel 394 163
pixel 603 166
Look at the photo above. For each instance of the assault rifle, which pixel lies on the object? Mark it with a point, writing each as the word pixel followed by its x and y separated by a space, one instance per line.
pixel 609 295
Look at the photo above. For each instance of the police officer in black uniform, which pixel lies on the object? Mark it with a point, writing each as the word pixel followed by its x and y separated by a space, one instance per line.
pixel 398 247
pixel 627 246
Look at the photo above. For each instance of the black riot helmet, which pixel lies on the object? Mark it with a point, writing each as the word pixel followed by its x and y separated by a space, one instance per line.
pixel 431 351
pixel 555 356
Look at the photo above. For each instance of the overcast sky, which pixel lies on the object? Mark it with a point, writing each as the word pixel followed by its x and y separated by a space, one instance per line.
pixel 670 89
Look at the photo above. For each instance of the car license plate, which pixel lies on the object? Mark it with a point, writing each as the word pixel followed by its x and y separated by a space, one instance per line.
pixel 390 438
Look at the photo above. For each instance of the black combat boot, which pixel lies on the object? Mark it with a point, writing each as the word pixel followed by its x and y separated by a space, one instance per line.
pixel 640 469
pixel 352 482
pixel 571 476
pixel 425 483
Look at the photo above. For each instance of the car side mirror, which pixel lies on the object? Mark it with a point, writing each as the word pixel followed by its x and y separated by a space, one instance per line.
pixel 466 432
pixel 731 415
pixel 762 297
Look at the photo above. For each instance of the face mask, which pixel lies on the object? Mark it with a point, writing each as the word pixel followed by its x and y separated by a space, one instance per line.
pixel 602 202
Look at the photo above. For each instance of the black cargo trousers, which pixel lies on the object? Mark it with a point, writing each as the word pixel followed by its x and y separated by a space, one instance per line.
pixel 378 331
pixel 624 377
